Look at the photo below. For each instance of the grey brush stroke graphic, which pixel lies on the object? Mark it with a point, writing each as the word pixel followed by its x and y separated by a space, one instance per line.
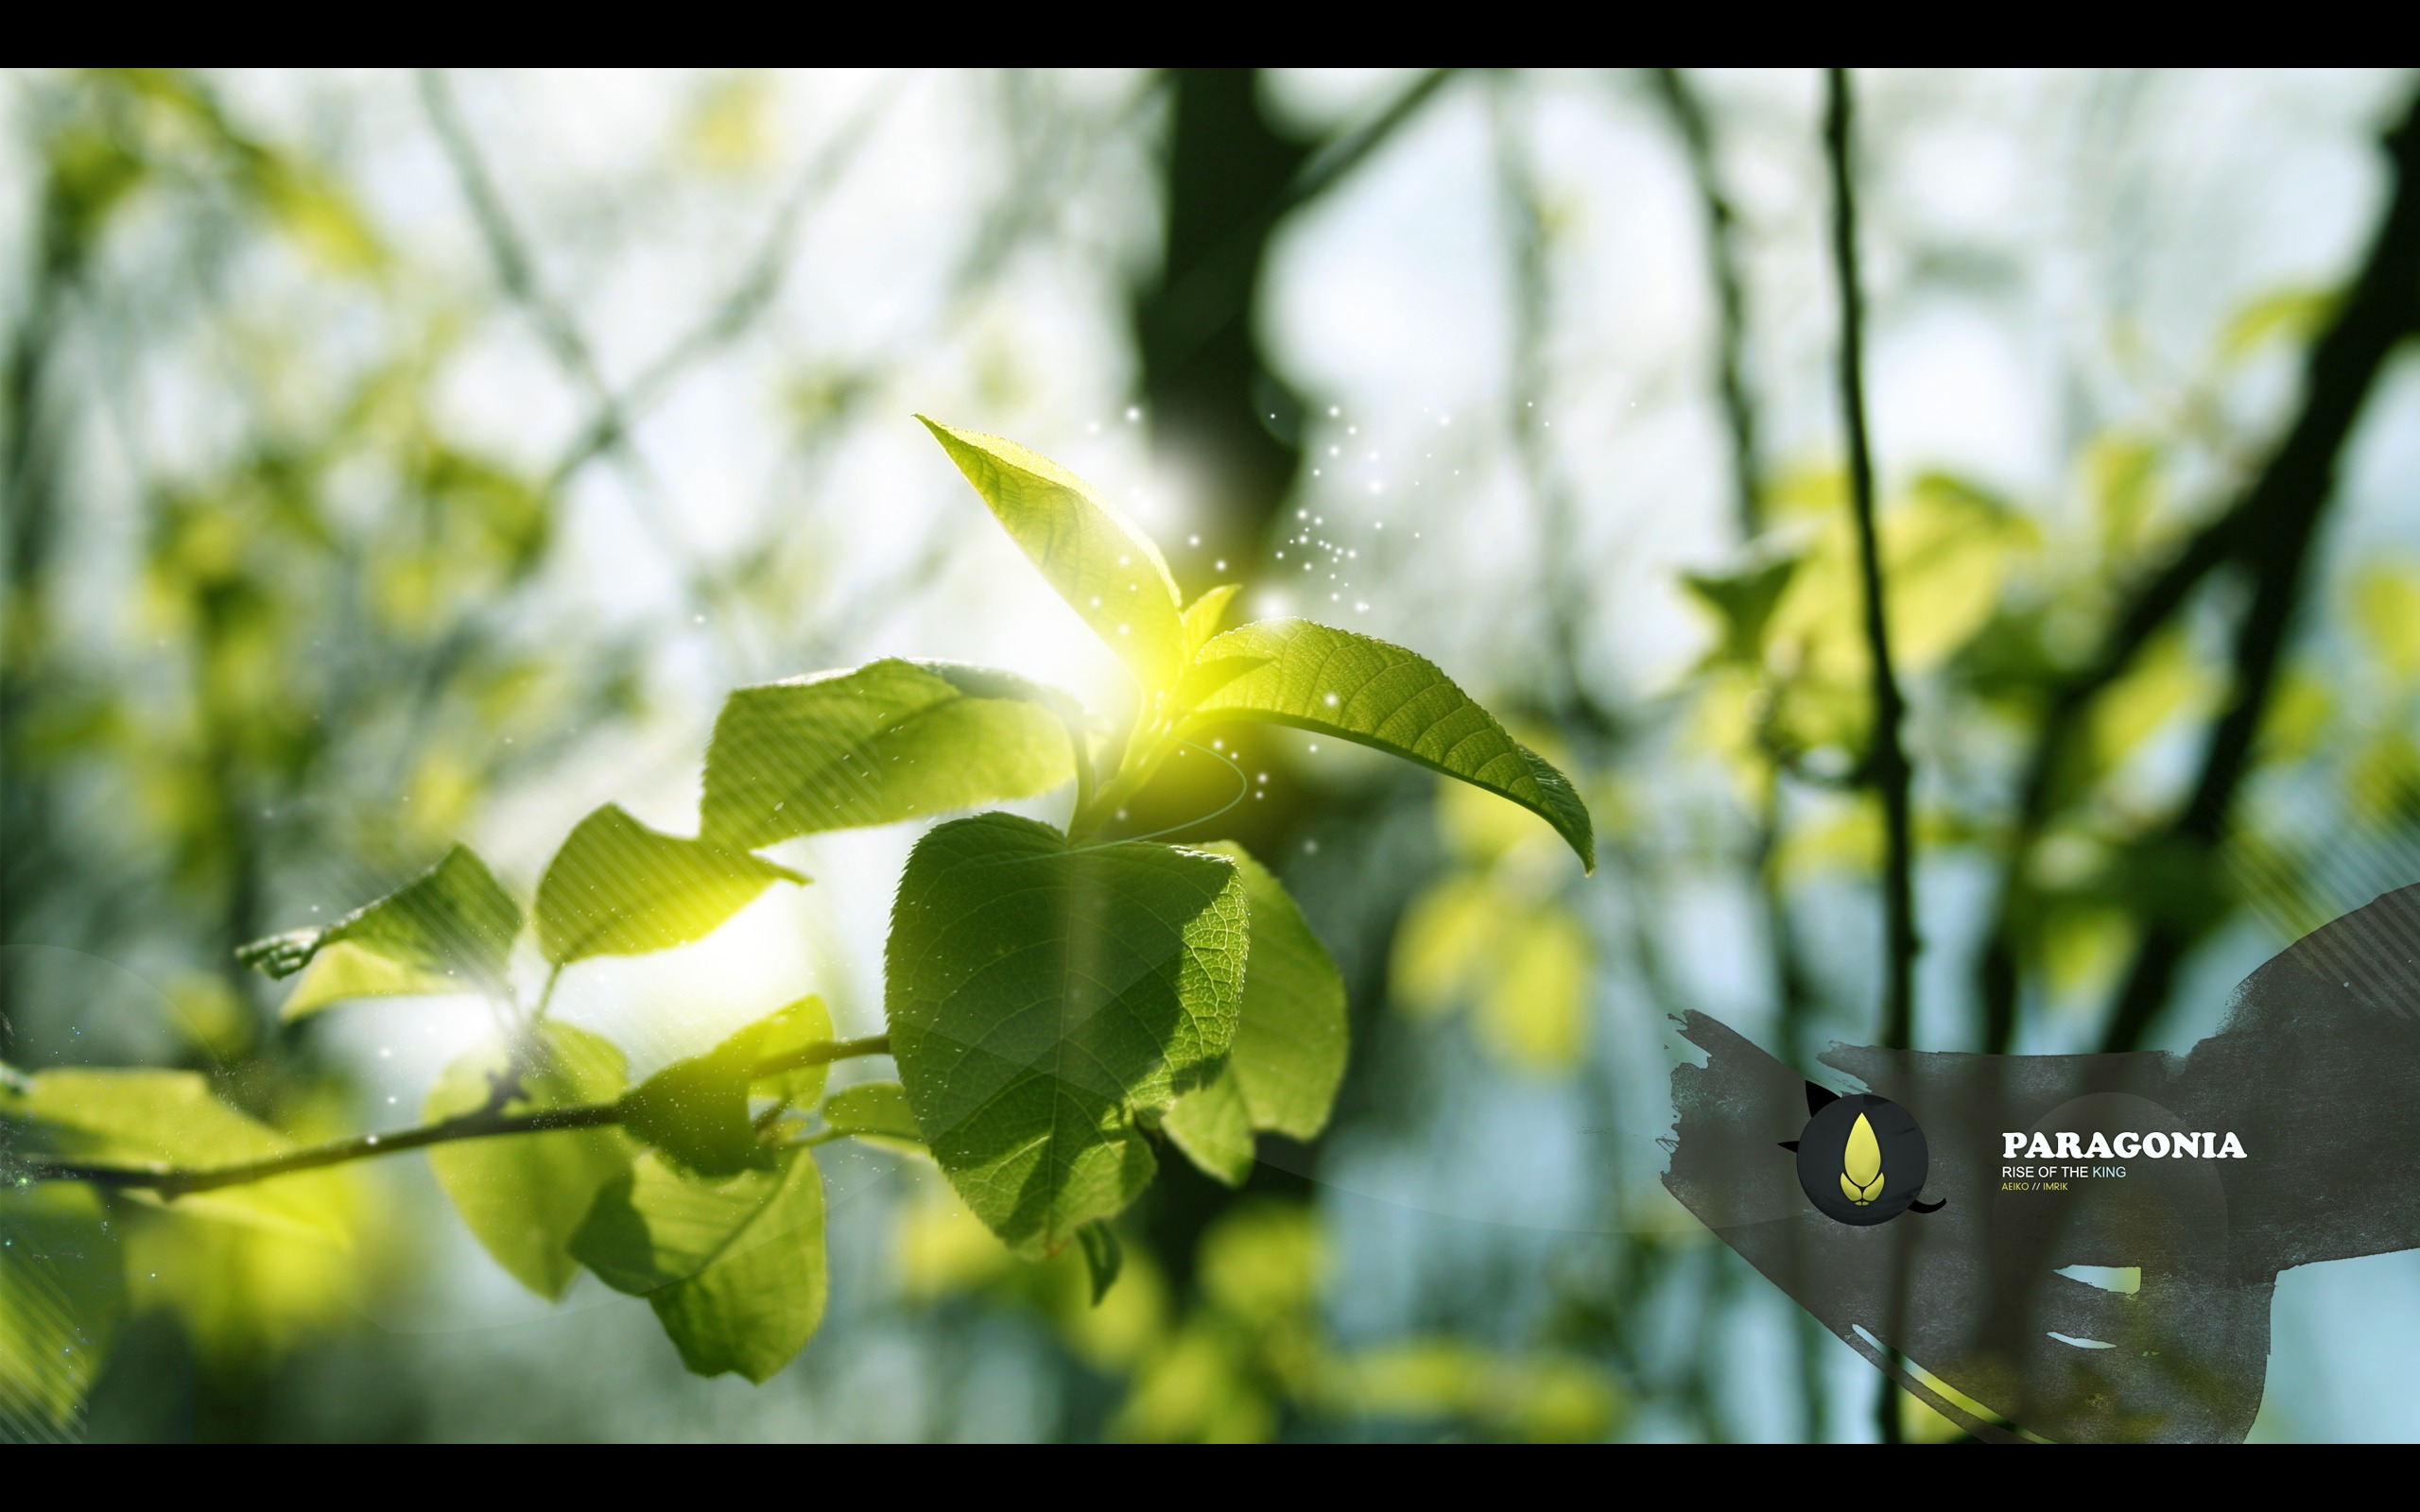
pixel 2316 1069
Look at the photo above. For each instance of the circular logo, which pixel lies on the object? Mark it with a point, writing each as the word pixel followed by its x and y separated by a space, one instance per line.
pixel 1861 1159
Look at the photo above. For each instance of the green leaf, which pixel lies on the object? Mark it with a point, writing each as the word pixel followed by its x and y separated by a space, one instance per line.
pixel 617 888
pixel 341 973
pixel 876 1108
pixel 892 740
pixel 2293 313
pixel 1213 1128
pixel 1104 567
pixel 1743 603
pixel 1317 677
pixel 2386 605
pixel 1104 1257
pixel 62 1291
pixel 790 1028
pixel 1204 614
pixel 696 1110
pixel 734 1268
pixel 1290 1051
pixel 169 1119
pixel 524 1197
pixel 447 930
pixel 1040 996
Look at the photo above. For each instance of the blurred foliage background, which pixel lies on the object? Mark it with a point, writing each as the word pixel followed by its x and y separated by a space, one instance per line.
pixel 394 458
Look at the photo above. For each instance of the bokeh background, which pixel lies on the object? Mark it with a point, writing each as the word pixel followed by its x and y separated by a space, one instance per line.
pixel 393 459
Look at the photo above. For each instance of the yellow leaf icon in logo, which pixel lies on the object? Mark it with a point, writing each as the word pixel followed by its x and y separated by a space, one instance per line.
pixel 1861 1165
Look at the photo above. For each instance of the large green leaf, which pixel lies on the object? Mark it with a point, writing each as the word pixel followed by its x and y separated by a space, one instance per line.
pixel 1040 996
pixel 794 1028
pixel 696 1110
pixel 872 1108
pixel 1104 566
pixel 447 930
pixel 892 740
pixel 1290 1051
pixel 1203 616
pixel 524 1196
pixel 617 888
pixel 341 972
pixel 734 1268
pixel 1315 677
pixel 63 1291
pixel 163 1120
pixel 1213 1128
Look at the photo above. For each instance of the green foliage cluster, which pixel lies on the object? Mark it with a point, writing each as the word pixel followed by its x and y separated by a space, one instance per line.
pixel 1059 1002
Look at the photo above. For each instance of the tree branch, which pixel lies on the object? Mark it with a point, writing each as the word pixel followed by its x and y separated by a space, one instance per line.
pixel 1887 769
pixel 2272 519
pixel 746 298
pixel 1722 261
pixel 174 1182
pixel 2283 515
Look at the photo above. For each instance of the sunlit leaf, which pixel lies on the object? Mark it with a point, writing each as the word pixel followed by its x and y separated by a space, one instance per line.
pixel 2386 605
pixel 524 1196
pixel 696 1110
pixel 734 1268
pixel 1213 1128
pixel 890 740
pixel 2295 314
pixel 1535 1011
pixel 1743 603
pixel 1104 1257
pixel 617 888
pixel 876 1108
pixel 1263 1261
pixel 1040 996
pixel 1444 945
pixel 1198 1387
pixel 342 971
pixel 164 1120
pixel 1289 1050
pixel 447 930
pixel 1336 682
pixel 2164 683
pixel 1203 616
pixel 62 1291
pixel 790 1028
pixel 1106 569
pixel 1540 1399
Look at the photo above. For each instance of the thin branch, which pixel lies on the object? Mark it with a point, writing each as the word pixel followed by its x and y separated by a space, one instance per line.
pixel 517 270
pixel 1722 261
pixel 1329 165
pixel 749 295
pixel 2283 511
pixel 174 1182
pixel 2278 507
pixel 1887 768
pixel 1564 595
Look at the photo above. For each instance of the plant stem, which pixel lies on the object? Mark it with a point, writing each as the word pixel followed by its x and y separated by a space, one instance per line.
pixel 1887 762
pixel 172 1181
pixel 1887 768
pixel 1722 260
pixel 2283 512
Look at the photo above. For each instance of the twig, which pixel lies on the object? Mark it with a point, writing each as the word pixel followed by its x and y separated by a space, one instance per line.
pixel 748 297
pixel 2278 506
pixel 174 1182
pixel 1885 763
pixel 1722 261
pixel 2282 519
pixel 1232 259
pixel 1887 768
